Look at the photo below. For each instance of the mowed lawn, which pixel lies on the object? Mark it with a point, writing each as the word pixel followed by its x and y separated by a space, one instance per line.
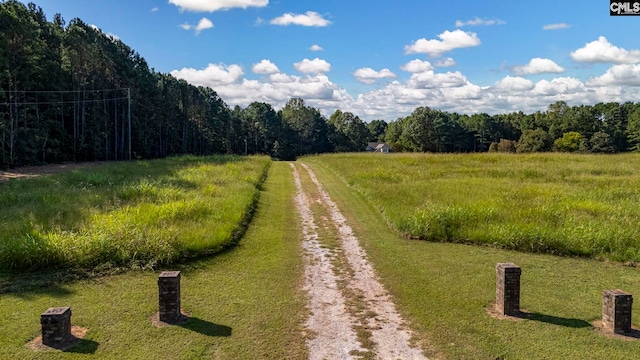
pixel 444 289
pixel 243 303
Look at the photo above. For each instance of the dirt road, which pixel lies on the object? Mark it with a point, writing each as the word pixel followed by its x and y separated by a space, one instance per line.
pixel 32 171
pixel 351 315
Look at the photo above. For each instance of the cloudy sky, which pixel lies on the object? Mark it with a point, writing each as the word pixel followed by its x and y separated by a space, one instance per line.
pixel 382 59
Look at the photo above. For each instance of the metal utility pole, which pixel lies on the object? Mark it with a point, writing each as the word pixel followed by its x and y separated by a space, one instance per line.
pixel 129 101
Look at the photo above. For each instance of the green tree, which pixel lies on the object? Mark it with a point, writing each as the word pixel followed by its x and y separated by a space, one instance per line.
pixel 393 136
pixel 421 130
pixel 351 134
pixel 570 142
pixel 536 140
pixel 633 129
pixel 485 128
pixel 308 126
pixel 377 130
pixel 601 142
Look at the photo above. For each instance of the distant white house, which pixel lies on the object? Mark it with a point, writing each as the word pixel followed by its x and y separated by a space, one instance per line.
pixel 378 147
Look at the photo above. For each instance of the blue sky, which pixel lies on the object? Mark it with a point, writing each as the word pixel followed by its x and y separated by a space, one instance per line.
pixel 382 59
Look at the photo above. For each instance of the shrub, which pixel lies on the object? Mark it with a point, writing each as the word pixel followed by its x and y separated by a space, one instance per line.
pixel 504 146
pixel 601 142
pixel 570 142
pixel 534 141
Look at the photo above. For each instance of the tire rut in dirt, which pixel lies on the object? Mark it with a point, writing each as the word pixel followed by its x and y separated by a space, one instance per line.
pixel 370 309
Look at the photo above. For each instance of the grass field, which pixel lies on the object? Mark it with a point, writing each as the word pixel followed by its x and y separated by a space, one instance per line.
pixel 443 289
pixel 244 303
pixel 141 213
pixel 577 205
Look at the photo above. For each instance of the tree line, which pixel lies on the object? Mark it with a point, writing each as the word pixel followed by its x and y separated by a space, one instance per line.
pixel 601 128
pixel 69 92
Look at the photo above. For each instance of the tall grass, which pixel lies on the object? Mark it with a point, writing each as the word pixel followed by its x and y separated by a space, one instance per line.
pixel 578 205
pixel 139 213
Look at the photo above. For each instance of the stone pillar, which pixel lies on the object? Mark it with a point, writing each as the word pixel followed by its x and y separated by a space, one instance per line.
pixel 616 311
pixel 56 326
pixel 508 288
pixel 169 296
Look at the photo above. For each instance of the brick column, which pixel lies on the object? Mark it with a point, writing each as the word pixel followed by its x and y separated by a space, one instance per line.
pixel 169 296
pixel 616 311
pixel 508 288
pixel 56 326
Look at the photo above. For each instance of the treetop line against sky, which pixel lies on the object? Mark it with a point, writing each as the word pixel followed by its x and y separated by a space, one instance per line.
pixel 382 59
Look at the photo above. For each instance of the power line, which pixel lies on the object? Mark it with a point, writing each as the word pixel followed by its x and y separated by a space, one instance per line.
pixel 61 91
pixel 63 102
pixel 92 93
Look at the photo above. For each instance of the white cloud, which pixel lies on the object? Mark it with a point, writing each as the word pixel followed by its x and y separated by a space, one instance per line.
pixel 558 26
pixel 315 66
pixel 477 21
pixel 538 66
pixel 563 85
pixel 155 9
pixel 282 78
pixel 265 67
pixel 212 76
pixel 203 24
pixel 448 62
pixel 513 84
pixel 602 51
pixel 449 91
pixel 215 5
pixel 467 91
pixel 617 75
pixel 369 76
pixel 431 80
pixel 449 40
pixel 310 18
pixel 417 66
pixel 316 48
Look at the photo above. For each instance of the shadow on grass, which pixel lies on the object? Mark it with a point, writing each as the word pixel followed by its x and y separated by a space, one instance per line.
pixel 633 334
pixel 555 320
pixel 206 328
pixel 83 346
pixel 27 285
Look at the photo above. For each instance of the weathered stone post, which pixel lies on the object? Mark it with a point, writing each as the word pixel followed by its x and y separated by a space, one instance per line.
pixel 616 311
pixel 508 288
pixel 169 296
pixel 56 326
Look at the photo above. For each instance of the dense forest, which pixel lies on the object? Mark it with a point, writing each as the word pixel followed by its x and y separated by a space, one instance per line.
pixel 69 92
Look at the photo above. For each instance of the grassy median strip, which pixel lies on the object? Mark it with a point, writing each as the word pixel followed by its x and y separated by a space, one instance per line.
pixel 576 205
pixel 443 290
pixel 139 213
pixel 244 303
